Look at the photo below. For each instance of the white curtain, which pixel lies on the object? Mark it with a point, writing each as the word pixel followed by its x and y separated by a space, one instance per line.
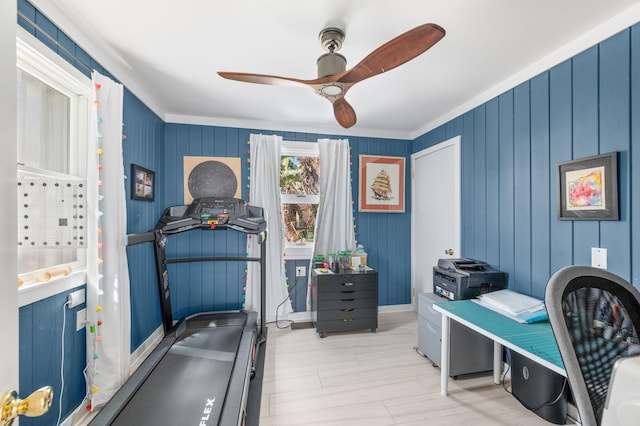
pixel 108 301
pixel 265 192
pixel 334 222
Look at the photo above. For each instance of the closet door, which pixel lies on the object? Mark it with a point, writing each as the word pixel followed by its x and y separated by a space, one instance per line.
pixel 435 213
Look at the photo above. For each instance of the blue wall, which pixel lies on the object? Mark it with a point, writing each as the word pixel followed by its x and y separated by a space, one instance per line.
pixel 218 286
pixel 41 340
pixel 41 322
pixel 144 133
pixel 511 145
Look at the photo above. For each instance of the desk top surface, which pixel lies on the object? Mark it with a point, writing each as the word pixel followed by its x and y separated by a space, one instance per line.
pixel 536 338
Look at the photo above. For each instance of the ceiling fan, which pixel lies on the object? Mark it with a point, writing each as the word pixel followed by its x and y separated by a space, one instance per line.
pixel 334 80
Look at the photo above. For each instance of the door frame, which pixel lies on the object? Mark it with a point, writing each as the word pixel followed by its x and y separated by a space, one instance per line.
pixel 8 184
pixel 454 142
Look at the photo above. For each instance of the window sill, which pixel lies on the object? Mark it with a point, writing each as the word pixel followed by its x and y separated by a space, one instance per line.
pixel 298 252
pixel 33 292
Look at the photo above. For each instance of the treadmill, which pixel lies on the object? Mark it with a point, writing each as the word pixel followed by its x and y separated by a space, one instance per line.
pixel 199 373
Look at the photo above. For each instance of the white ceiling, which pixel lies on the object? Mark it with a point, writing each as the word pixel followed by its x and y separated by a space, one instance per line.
pixel 167 53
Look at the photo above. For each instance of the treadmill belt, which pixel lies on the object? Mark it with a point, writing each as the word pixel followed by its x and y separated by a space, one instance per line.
pixel 189 384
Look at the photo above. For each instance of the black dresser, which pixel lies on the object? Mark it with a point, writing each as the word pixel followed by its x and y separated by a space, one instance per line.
pixel 344 301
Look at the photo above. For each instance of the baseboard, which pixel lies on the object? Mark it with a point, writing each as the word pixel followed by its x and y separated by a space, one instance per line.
pixel 395 308
pixel 306 316
pixel 299 316
pixel 143 351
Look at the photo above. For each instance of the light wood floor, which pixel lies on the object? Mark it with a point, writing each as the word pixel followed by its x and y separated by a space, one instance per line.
pixel 373 379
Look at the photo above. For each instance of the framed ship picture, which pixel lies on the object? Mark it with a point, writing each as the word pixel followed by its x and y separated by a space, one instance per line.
pixel 382 184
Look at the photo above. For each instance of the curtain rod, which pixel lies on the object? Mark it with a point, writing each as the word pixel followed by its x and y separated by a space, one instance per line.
pixel 54 41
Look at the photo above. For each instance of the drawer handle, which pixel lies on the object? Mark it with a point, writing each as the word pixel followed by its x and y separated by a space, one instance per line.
pixel 347 319
pixel 347 310
pixel 347 300
pixel 347 284
pixel 347 292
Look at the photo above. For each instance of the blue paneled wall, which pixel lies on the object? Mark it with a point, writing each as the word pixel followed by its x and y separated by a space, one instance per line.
pixel 386 236
pixel 41 323
pixel 41 355
pixel 510 148
pixel 144 132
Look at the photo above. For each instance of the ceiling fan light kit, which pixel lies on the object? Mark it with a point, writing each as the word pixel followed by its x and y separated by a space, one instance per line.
pixel 334 80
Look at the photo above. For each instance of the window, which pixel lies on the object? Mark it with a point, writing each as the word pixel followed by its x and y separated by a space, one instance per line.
pixel 300 195
pixel 53 109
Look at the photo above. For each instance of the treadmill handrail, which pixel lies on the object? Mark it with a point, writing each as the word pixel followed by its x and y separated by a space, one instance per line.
pixel 143 237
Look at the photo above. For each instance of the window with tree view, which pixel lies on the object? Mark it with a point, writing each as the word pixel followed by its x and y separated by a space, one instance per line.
pixel 300 189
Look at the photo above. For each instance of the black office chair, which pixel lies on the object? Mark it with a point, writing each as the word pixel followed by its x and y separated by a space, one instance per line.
pixel 595 317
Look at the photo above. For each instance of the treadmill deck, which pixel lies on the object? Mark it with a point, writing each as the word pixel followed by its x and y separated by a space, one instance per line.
pixel 189 383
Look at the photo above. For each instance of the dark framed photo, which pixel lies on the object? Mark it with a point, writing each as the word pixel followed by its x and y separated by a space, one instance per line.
pixel 588 188
pixel 143 183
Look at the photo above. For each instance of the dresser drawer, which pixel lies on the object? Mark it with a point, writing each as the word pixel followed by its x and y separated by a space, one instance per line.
pixel 344 301
pixel 349 303
pixel 425 307
pixel 348 295
pixel 341 283
pixel 347 324
pixel 347 314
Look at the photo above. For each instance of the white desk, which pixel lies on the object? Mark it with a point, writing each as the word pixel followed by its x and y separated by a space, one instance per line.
pixel 535 341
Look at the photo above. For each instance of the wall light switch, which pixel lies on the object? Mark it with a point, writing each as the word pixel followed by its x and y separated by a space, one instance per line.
pixel 599 257
pixel 81 319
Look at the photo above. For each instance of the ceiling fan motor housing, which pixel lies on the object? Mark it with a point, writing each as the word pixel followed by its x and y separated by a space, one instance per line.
pixel 330 64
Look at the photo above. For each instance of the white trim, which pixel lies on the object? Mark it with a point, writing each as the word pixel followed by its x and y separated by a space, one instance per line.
pixel 302 252
pixel 142 352
pixel 298 316
pixel 387 309
pixel 36 59
pixel 454 142
pixel 33 56
pixel 613 26
pixel 118 66
pixel 290 126
pixel 300 149
pixel 299 199
pixel 31 293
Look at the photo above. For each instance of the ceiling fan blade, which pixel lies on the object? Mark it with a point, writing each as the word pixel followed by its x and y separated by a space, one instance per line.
pixel 344 113
pixel 273 80
pixel 395 52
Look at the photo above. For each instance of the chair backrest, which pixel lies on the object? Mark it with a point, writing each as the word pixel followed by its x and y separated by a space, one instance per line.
pixel 595 317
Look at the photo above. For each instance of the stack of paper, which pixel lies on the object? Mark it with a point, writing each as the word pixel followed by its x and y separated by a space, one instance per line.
pixel 520 307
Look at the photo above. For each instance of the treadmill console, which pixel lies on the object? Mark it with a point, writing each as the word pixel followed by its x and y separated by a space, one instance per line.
pixel 217 211
pixel 212 213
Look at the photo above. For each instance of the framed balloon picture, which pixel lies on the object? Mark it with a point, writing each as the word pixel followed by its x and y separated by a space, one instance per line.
pixel 588 188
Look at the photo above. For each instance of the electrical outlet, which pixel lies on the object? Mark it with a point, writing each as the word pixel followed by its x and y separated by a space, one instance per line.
pixel 301 271
pixel 81 319
pixel 76 298
pixel 599 257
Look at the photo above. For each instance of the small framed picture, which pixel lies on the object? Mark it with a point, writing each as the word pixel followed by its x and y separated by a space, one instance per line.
pixel 381 186
pixel 143 183
pixel 588 188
